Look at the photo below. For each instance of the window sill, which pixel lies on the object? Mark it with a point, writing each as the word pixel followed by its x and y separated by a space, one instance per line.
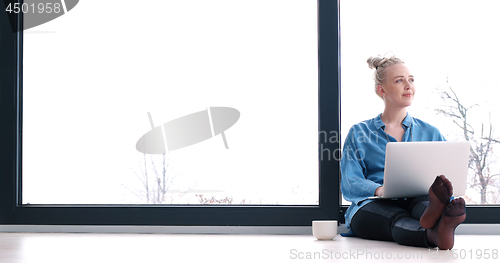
pixel 463 229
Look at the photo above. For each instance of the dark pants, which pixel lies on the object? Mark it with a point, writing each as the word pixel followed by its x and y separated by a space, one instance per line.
pixel 392 220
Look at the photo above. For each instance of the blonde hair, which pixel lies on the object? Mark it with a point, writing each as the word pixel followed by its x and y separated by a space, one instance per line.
pixel 380 64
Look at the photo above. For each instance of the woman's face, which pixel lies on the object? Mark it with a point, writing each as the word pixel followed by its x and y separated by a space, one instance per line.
pixel 398 87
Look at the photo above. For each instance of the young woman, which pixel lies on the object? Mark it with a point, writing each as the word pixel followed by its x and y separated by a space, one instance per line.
pixel 427 221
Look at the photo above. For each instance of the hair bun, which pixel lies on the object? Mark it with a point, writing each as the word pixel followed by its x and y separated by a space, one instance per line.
pixel 375 62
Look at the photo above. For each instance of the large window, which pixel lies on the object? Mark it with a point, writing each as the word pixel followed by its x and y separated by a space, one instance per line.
pixel 148 117
pixel 192 102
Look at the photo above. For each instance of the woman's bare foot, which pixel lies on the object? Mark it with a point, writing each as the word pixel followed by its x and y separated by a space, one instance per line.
pixel 443 234
pixel 440 193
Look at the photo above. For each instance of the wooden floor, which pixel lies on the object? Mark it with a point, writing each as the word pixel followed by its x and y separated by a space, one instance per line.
pixel 142 248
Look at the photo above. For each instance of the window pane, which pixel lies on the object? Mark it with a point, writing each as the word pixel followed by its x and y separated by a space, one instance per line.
pixel 450 48
pixel 104 75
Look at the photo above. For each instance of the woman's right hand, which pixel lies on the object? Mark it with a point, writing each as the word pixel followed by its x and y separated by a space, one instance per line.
pixel 379 191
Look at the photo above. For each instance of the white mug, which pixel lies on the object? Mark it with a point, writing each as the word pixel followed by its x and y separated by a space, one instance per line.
pixel 324 229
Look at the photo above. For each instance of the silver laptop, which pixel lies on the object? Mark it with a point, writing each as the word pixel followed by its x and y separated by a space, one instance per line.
pixel 412 167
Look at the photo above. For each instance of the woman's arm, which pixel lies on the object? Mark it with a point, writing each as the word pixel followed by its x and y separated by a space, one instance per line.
pixel 354 185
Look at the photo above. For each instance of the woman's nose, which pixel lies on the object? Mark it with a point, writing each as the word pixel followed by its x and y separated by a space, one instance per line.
pixel 407 85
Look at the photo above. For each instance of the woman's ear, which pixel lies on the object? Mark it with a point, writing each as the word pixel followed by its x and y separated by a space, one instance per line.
pixel 380 91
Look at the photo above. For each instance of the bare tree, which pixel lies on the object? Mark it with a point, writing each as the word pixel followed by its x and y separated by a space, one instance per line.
pixel 163 182
pixel 154 177
pixel 481 155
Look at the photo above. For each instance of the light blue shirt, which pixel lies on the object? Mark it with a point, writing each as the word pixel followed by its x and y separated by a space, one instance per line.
pixel 363 157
